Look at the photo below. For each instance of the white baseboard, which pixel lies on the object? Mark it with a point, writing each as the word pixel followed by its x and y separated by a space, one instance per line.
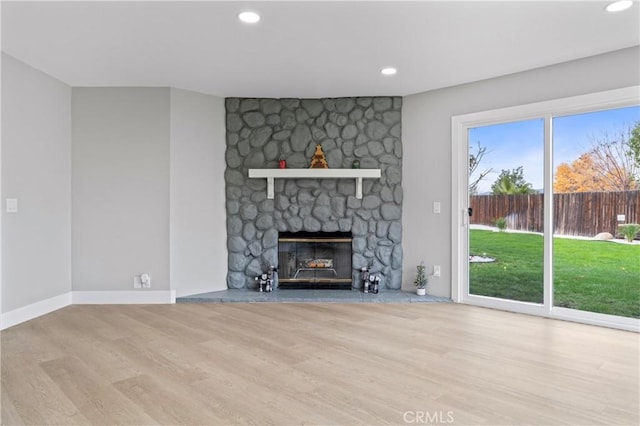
pixel 140 297
pixel 594 318
pixel 35 310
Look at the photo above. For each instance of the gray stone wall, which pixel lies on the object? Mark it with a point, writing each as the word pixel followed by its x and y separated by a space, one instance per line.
pixel 262 131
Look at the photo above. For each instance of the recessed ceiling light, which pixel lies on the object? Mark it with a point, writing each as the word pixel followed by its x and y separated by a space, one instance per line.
pixel 618 6
pixel 249 17
pixel 388 71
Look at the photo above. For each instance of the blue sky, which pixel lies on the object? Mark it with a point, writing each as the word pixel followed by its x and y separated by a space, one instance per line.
pixel 521 143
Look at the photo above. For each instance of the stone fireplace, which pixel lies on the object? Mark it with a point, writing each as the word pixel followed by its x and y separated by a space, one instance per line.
pixel 260 132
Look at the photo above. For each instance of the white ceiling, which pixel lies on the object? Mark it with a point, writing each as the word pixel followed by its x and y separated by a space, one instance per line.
pixel 306 49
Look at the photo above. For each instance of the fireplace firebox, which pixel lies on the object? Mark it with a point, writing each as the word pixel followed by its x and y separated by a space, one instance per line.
pixel 312 260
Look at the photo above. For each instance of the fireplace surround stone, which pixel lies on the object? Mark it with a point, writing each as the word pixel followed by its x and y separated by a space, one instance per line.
pixel 260 132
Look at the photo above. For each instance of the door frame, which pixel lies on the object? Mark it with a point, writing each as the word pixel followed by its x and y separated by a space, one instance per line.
pixel 460 125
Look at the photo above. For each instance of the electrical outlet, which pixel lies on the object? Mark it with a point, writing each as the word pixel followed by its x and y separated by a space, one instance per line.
pixel 142 281
pixel 436 270
pixel 12 205
pixel 146 280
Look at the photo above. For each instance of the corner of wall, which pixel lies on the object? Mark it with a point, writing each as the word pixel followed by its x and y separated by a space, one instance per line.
pixel 120 186
pixel 197 163
pixel 36 240
pixel 34 310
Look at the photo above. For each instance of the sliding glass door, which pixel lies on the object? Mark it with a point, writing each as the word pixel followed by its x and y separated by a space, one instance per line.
pixel 547 197
pixel 506 165
pixel 596 251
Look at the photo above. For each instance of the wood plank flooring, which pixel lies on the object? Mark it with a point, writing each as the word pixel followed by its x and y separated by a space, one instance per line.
pixel 329 364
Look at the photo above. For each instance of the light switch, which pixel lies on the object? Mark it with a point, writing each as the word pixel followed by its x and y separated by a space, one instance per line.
pixel 12 205
pixel 436 270
pixel 436 207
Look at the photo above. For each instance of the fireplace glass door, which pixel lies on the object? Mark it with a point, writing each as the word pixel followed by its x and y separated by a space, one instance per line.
pixel 314 260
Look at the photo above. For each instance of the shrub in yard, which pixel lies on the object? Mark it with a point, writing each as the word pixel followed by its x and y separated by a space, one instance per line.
pixel 629 230
pixel 501 223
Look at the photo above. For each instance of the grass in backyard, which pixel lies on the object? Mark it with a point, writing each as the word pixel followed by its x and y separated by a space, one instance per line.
pixel 517 272
pixel 595 276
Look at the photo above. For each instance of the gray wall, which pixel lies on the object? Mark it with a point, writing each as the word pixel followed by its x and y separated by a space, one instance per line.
pixel 198 216
pixel 120 187
pixel 426 128
pixel 148 193
pixel 36 169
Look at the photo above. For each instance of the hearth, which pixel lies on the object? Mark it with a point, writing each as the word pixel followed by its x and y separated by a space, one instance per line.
pixel 311 260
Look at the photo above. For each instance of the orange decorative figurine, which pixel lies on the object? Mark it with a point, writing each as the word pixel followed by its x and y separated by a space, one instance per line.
pixel 318 161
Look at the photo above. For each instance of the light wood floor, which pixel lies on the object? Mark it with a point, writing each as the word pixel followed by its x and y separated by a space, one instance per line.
pixel 288 364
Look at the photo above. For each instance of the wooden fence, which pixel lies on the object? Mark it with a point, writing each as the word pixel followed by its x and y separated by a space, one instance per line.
pixel 577 213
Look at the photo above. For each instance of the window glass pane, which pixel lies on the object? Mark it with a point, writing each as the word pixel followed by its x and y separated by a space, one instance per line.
pixel 596 202
pixel 506 166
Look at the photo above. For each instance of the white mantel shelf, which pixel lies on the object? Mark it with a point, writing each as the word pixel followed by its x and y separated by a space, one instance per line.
pixel 357 174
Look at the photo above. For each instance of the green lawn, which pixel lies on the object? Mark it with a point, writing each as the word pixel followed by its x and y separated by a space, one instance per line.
pixel 596 276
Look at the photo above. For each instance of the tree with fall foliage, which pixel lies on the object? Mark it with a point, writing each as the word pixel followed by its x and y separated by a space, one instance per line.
pixel 610 165
pixel 579 176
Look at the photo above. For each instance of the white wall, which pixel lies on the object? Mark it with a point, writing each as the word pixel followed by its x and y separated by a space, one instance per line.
pixel 36 169
pixel 426 134
pixel 198 215
pixel 120 187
